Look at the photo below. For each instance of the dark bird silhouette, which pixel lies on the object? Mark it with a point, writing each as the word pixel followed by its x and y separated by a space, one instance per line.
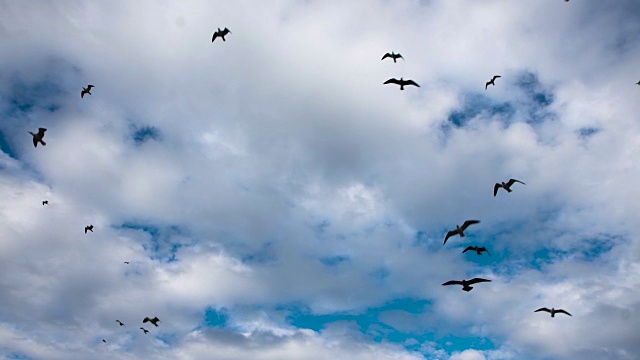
pixel 120 322
pixel 45 202
pixel 393 56
pixel 401 82
pixel 460 230
pixel 220 33
pixel 491 82
pixel 154 321
pixel 638 83
pixel 466 283
pixel 477 249
pixel 145 330
pixel 86 90
pixel 506 186
pixel 37 138
pixel 553 311
pixel 88 228
pixel 126 262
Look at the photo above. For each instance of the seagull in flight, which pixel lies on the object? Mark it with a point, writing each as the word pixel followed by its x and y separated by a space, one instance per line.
pixel 477 249
pixel 154 321
pixel 491 82
pixel 393 56
pixel 126 262
pixel 466 283
pixel 88 228
pixel 506 186
pixel 86 90
pixel 401 82
pixel 145 330
pixel 120 322
pixel 220 33
pixel 553 311
pixel 638 83
pixel 37 138
pixel 104 341
pixel 45 202
pixel 460 230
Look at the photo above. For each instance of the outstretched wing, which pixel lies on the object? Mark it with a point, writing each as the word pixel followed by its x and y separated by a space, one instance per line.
pixel 477 280
pixel 452 282
pixel 215 35
pixel 495 189
pixel 563 311
pixel 41 131
pixel 512 181
pixel 392 81
pixel 89 87
pixel 543 309
pixel 386 56
pixel 82 94
pixel 484 249
pixel 450 234
pixel 495 77
pixel 225 31
pixel 411 82
pixel 468 248
pixel 487 85
pixel 399 56
pixel 146 320
pixel 35 142
pixel 469 222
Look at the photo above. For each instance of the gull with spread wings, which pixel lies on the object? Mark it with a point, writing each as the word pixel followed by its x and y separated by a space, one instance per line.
pixel 37 138
pixel 393 56
pixel 401 82
pixel 466 283
pixel 505 185
pixel 491 82
pixel 553 311
pixel 460 230
pixel 477 249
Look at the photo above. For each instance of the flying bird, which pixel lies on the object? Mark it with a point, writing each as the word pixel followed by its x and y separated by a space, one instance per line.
pixel 491 82
pixel 220 33
pixel 393 56
pixel 506 186
pixel 145 330
pixel 86 90
pixel 638 83
pixel 126 262
pixel 460 229
pixel 466 283
pixel 104 341
pixel 45 202
pixel 154 321
pixel 477 249
pixel 120 322
pixel 401 82
pixel 88 228
pixel 37 138
pixel 553 311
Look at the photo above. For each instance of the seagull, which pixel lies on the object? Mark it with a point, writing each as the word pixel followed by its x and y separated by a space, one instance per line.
pixel 88 228
pixel 401 82
pixel 221 33
pixel 506 186
pixel 45 202
pixel 37 138
pixel 491 82
pixel 104 341
pixel 120 322
pixel 126 262
pixel 477 249
pixel 145 330
pixel 553 311
pixel 393 56
pixel 460 229
pixel 638 83
pixel 86 90
pixel 465 283
pixel 154 321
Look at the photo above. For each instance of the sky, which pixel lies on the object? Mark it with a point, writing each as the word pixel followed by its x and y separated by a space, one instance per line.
pixel 275 200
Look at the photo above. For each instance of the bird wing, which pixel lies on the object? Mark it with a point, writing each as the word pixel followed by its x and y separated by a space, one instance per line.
pixel 89 87
pixel 484 249
pixel 495 189
pixel 392 81
pixel 468 248
pixel 452 282
pixel 225 31
pixel 469 222
pixel 487 85
pixel 495 77
pixel 543 309
pixel 411 82
pixel 450 234
pixel 512 181
pixel 156 319
pixel 477 280
pixel 35 142
pixel 85 229
pixel 41 131
pixel 145 320
pixel 399 56
pixel 215 35
pixel 386 56
pixel 82 94
pixel 563 311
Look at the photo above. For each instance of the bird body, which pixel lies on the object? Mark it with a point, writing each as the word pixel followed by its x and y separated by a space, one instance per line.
pixel 491 82
pixel 466 283
pixel 460 230
pixel 401 82
pixel 88 228
pixel 220 33
pixel 505 185
pixel 154 321
pixel 120 322
pixel 393 56
pixel 553 311
pixel 145 330
pixel 86 90
pixel 37 138
pixel 45 202
pixel 477 249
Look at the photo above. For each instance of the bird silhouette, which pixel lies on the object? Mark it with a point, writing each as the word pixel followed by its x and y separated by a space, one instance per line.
pixel 145 330
pixel 491 82
pixel 506 186
pixel 638 83
pixel 86 90
pixel 104 341
pixel 88 228
pixel 154 321
pixel 401 82
pixel 393 56
pixel 220 33
pixel 466 283
pixel 553 311
pixel 120 322
pixel 126 262
pixel 37 138
pixel 477 249
pixel 460 230
pixel 45 202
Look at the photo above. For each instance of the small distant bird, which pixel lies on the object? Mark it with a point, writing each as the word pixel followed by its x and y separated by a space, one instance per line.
pixel 477 249
pixel 393 56
pixel 145 330
pixel 37 138
pixel 491 82
pixel 120 322
pixel 506 186
pixel 401 82
pixel 104 341
pixel 88 228
pixel 460 230
pixel 638 83
pixel 45 202
pixel 126 262
pixel 553 311
pixel 86 90
pixel 154 321
pixel 465 283
pixel 220 33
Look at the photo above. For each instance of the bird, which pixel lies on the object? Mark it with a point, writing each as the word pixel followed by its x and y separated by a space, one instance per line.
pixel 460 229
pixel 393 56
pixel 465 283
pixel 491 82
pixel 401 82
pixel 477 249
pixel 506 186
pixel 553 311
pixel 120 322
pixel 37 138
pixel 154 321
pixel 638 83
pixel 88 228
pixel 86 90
pixel 104 341
pixel 221 33
pixel 45 202
pixel 145 330
pixel 126 262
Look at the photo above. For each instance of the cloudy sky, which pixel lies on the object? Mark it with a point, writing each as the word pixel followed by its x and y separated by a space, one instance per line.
pixel 275 200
